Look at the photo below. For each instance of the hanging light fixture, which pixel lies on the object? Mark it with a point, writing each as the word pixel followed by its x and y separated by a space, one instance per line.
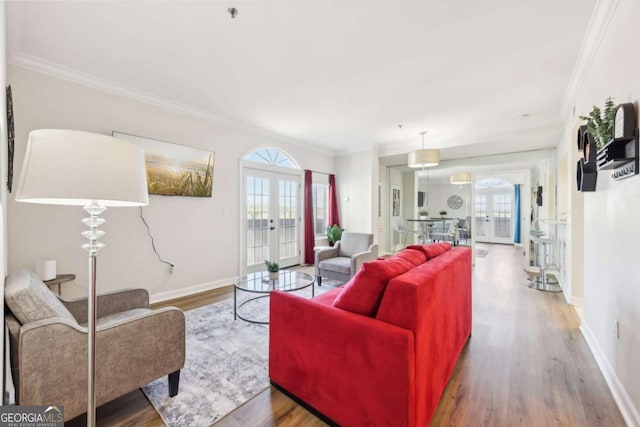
pixel 461 178
pixel 424 158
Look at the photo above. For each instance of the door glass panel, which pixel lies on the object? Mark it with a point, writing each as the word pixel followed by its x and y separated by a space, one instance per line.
pixel 481 215
pixel 257 220
pixel 287 215
pixel 502 215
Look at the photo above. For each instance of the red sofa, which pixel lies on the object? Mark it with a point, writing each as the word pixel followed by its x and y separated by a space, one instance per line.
pixel 387 363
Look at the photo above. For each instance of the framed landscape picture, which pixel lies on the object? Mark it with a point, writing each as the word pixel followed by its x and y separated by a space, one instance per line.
pixel 173 169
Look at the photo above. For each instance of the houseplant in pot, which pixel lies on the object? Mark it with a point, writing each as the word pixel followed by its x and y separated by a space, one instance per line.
pixel 600 123
pixel 423 214
pixel 273 268
pixel 334 233
pixel 443 213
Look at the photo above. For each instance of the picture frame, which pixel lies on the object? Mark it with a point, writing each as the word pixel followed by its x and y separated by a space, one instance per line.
pixel 174 169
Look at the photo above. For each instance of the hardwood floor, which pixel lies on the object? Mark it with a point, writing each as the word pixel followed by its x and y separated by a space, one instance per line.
pixel 525 364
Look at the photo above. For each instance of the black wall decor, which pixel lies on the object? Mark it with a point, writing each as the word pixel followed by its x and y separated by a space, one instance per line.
pixel 587 171
pixel 621 153
pixel 10 139
pixel 539 196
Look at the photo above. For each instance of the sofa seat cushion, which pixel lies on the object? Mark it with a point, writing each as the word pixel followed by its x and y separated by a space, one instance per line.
pixel 432 250
pixel 328 297
pixel 116 317
pixel 339 264
pixel 29 299
pixel 363 293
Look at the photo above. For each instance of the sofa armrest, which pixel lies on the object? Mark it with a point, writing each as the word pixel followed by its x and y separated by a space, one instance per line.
pixel 108 303
pixel 328 357
pixel 361 257
pixel 53 358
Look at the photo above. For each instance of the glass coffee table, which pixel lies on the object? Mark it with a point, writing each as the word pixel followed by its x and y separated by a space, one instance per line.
pixel 259 283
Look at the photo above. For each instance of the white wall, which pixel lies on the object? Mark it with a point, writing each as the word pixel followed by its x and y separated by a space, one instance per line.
pixel 437 195
pixel 611 231
pixel 199 235
pixel 357 182
pixel 3 166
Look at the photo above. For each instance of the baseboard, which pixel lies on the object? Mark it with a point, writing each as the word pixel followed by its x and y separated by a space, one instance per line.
pixel 577 301
pixel 622 399
pixel 183 292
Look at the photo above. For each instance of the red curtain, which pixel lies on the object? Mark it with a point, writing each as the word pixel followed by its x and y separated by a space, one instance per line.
pixel 309 234
pixel 334 214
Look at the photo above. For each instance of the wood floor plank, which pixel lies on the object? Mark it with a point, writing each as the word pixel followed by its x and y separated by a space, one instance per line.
pixel 526 364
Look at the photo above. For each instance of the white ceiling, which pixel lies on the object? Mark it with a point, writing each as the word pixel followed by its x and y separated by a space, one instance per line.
pixel 335 74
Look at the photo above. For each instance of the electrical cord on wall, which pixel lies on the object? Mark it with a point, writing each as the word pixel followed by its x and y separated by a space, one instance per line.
pixel 153 244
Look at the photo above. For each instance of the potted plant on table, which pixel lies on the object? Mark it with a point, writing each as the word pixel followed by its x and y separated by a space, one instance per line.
pixel 443 213
pixel 423 214
pixel 273 268
pixel 334 233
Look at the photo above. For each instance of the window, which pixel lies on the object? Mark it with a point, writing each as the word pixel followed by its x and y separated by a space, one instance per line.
pixel 272 156
pixel 320 209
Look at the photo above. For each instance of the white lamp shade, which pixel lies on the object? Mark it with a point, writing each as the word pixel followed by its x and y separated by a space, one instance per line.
pixel 424 158
pixel 70 167
pixel 461 178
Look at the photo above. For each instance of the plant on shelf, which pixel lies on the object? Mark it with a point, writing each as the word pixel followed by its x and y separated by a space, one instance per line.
pixel 423 214
pixel 443 213
pixel 600 122
pixel 273 268
pixel 334 233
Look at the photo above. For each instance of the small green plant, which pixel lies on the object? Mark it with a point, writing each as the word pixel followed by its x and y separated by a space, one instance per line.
pixel 423 213
pixel 600 122
pixel 443 213
pixel 334 233
pixel 272 266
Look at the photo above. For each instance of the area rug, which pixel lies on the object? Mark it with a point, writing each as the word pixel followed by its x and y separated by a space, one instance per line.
pixel 226 364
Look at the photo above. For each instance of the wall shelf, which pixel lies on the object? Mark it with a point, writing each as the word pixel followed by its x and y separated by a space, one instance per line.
pixel 621 155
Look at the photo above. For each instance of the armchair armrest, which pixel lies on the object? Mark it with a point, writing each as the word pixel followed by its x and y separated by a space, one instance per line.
pixel 326 253
pixel 349 358
pixel 361 257
pixel 108 303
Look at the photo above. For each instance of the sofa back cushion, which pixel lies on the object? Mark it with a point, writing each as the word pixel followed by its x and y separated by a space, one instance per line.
pixel 414 256
pixel 352 243
pixel 362 294
pixel 432 250
pixel 29 299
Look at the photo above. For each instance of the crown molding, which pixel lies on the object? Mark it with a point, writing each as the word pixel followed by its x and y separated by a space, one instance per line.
pixel 39 65
pixel 596 30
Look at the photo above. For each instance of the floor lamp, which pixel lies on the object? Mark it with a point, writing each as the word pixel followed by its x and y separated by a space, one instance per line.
pixel 74 168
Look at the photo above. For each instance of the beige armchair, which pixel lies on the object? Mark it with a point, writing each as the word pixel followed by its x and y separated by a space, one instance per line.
pixel 48 343
pixel 344 259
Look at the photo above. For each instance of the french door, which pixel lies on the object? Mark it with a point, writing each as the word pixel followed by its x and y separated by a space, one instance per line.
pixel 271 219
pixel 494 215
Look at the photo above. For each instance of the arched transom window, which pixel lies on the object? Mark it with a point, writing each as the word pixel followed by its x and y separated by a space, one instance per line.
pixel 272 156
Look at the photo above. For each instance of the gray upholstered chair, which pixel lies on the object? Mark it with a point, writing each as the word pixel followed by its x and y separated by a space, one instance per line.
pixel 48 344
pixel 345 258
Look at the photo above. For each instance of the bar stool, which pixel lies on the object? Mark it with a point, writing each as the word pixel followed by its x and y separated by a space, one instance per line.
pixel 543 282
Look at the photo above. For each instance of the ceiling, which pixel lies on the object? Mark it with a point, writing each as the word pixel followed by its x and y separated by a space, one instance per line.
pixel 340 75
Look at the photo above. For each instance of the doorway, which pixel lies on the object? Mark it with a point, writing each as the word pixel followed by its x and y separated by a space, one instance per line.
pixel 271 219
pixel 494 208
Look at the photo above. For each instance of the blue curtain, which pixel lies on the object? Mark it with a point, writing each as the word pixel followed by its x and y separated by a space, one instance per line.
pixel 516 228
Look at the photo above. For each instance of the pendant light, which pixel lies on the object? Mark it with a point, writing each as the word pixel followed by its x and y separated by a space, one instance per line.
pixel 461 178
pixel 424 158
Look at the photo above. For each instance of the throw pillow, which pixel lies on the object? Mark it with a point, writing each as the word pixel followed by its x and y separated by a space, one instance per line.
pixel 432 250
pixel 29 299
pixel 363 293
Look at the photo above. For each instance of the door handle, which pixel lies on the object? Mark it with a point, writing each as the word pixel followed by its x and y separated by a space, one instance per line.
pixel 272 228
